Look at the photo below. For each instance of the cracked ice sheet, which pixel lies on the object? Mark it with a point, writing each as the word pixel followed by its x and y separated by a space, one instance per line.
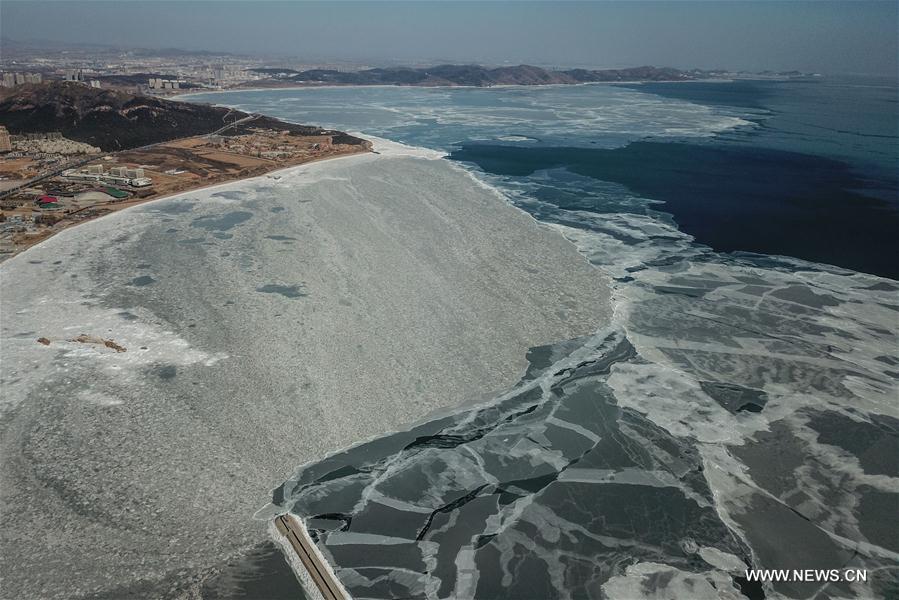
pixel 548 491
pixel 736 368
pixel 784 371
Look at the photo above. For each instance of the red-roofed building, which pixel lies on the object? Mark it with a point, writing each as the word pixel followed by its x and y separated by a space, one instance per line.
pixel 46 200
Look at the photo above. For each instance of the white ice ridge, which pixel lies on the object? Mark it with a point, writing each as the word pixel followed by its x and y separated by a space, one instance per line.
pixel 389 148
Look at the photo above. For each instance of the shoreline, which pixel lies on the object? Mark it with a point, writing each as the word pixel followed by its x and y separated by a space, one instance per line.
pixel 117 207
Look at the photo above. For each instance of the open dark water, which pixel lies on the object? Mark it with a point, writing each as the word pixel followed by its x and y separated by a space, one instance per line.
pixel 739 411
pixel 821 187
pixel 737 197
pixel 259 575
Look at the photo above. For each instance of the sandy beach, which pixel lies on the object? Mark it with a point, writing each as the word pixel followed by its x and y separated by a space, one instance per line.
pixel 278 319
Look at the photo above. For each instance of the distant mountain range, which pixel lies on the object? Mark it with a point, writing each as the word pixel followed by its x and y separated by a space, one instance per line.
pixel 469 75
pixel 117 120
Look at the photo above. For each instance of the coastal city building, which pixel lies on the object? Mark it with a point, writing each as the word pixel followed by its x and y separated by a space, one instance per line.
pixel 12 79
pixel 5 142
pixel 156 83
pixel 115 175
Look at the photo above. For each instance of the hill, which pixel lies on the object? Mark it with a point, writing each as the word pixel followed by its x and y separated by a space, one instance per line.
pixel 117 120
pixel 110 119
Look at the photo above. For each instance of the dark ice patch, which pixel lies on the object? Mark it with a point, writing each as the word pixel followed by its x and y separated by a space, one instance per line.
pixel 783 539
pixel 882 286
pixel 232 195
pixel 772 458
pixel 683 291
pixel 401 556
pixel 876 445
pixel 289 291
pixel 754 290
pixel 877 512
pixel 222 222
pixel 166 372
pixel 735 398
pixel 698 282
pixel 541 358
pixel 142 280
pixel 803 295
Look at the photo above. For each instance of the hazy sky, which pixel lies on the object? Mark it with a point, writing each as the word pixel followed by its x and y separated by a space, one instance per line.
pixel 829 37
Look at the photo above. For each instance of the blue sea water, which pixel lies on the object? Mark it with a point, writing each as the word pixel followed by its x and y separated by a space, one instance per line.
pixel 806 169
pixel 741 408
